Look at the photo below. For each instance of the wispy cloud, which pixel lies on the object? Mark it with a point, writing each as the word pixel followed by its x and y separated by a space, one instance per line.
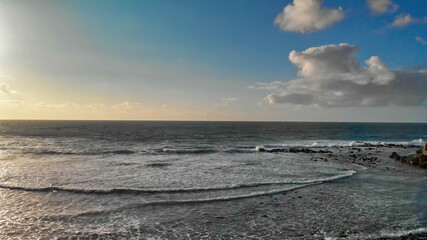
pixel 11 102
pixel 420 40
pixel 125 106
pixel 305 16
pixel 329 76
pixel 382 6
pixel 226 100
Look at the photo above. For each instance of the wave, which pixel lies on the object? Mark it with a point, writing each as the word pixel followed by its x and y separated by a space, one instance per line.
pixel 188 151
pixel 294 146
pixel 188 201
pixel 51 152
pixel 303 184
pixel 230 150
pixel 158 165
pixel 339 144
pixel 218 199
pixel 174 190
pixel 397 234
pixel 120 152
pixel 239 150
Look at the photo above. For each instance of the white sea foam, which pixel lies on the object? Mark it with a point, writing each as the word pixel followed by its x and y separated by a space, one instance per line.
pixel 337 143
pixel 386 234
pixel 173 190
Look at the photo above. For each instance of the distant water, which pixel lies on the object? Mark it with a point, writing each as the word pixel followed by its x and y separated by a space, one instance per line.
pixel 104 179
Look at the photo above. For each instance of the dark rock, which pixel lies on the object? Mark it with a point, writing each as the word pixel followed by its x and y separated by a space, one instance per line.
pixel 415 160
pixel 394 155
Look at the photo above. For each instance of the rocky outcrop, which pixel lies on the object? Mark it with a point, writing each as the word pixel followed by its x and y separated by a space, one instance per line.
pixel 417 159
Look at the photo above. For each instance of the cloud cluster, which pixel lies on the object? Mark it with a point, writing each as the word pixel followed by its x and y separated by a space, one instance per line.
pixel 382 6
pixel 401 20
pixel 305 16
pixel 329 76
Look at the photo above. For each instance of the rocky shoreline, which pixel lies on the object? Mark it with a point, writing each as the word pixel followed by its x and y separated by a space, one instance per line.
pixel 361 155
pixel 372 157
pixel 417 159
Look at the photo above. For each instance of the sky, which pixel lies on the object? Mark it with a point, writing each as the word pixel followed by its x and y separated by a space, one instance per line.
pixel 239 60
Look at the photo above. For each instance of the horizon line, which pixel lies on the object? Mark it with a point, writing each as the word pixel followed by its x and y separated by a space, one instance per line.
pixel 159 120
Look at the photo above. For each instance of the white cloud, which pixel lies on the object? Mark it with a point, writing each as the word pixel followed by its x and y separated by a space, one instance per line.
pixel 329 76
pixel 305 16
pixel 422 41
pixel 382 6
pixel 164 106
pixel 403 20
pixel 329 58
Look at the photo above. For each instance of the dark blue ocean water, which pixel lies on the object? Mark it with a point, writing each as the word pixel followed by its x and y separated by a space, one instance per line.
pixel 209 136
pixel 139 180
pixel 148 131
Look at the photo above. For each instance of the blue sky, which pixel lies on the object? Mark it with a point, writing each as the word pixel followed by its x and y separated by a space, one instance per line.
pixel 240 37
pixel 191 55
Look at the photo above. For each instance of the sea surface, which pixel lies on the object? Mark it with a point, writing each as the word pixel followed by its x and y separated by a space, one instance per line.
pixel 195 180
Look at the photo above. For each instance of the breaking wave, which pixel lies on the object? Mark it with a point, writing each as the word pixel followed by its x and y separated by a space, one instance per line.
pixel 174 190
pixel 187 151
pixel 339 144
pixel 397 234
pixel 282 147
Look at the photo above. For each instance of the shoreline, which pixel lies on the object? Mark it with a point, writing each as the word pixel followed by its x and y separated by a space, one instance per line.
pixel 326 218
pixel 371 157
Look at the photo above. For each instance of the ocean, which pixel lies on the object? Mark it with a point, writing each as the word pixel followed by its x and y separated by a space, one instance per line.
pixel 208 180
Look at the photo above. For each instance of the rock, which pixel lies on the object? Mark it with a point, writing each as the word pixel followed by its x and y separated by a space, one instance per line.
pixel 394 155
pixel 415 160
